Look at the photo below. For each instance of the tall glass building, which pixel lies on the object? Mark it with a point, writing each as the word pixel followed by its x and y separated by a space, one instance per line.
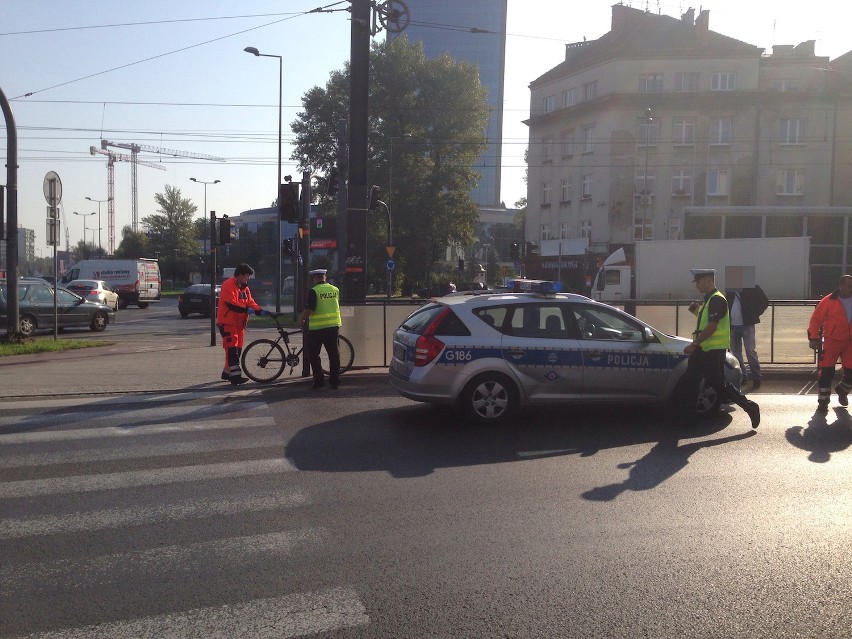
pixel 445 27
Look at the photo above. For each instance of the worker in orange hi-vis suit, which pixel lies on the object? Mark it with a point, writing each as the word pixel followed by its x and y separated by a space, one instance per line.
pixel 235 303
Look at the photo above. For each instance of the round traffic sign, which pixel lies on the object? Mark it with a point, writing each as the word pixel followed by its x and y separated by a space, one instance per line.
pixel 391 265
pixel 52 178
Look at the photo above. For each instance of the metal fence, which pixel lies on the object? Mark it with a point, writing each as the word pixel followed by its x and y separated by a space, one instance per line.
pixel 781 335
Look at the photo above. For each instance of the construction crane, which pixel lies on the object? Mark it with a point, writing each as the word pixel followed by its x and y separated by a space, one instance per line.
pixel 135 149
pixel 112 158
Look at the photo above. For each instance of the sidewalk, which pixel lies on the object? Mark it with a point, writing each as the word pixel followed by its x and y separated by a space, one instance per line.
pixel 125 369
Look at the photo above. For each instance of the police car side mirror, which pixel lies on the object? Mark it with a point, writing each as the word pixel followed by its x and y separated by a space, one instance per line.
pixel 648 335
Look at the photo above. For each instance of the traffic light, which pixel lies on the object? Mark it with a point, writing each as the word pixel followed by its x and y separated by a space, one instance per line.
pixel 225 230
pixel 332 179
pixel 288 247
pixel 375 192
pixel 288 202
pixel 515 251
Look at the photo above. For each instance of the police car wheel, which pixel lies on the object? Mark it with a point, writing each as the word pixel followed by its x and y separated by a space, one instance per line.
pixel 708 400
pixel 489 399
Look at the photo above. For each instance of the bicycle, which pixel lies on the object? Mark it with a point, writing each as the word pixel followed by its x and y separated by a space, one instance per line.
pixel 264 360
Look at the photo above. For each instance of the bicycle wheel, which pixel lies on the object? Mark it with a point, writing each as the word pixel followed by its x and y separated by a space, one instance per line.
pixel 263 361
pixel 347 355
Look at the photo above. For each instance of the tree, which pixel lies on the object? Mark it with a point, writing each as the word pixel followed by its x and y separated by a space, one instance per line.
pixel 171 232
pixel 431 114
pixel 133 244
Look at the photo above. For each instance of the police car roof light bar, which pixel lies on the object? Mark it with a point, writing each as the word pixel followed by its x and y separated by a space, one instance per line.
pixel 545 287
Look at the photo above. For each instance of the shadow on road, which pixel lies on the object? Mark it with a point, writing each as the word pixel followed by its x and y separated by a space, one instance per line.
pixel 415 440
pixel 820 438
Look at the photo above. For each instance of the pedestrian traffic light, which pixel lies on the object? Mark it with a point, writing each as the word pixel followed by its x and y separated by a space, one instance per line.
pixel 332 179
pixel 515 251
pixel 224 230
pixel 375 192
pixel 288 202
pixel 288 247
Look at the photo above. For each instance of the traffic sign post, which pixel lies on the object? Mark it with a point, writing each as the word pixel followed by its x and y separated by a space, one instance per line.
pixel 391 265
pixel 52 187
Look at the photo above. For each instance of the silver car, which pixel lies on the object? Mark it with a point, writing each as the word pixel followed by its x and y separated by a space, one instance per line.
pixel 489 353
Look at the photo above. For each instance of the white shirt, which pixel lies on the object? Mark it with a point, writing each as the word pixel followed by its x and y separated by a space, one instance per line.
pixel 737 311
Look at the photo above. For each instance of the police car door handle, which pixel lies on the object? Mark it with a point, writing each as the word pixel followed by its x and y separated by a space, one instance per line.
pixel 515 351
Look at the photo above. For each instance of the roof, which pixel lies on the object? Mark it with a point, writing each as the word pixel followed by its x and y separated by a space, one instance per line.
pixel 637 34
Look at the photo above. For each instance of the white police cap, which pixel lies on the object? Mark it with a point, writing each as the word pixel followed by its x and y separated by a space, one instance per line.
pixel 319 271
pixel 702 272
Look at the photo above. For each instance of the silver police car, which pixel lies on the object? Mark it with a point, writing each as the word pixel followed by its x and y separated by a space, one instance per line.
pixel 490 352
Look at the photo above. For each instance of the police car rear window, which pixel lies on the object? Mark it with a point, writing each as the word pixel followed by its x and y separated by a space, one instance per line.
pixel 420 320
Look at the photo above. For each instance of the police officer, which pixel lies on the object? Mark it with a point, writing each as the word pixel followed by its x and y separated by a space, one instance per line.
pixel 235 303
pixel 710 342
pixel 830 333
pixel 322 316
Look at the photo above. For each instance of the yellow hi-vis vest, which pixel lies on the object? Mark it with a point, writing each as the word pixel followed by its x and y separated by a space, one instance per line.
pixel 721 337
pixel 327 312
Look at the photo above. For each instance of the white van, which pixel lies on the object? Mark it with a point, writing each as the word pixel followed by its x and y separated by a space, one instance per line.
pixel 136 281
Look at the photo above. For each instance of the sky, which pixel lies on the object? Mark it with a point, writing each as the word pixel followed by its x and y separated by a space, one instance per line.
pixel 172 74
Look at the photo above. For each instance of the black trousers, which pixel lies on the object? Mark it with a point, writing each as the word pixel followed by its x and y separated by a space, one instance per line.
pixel 709 366
pixel 317 339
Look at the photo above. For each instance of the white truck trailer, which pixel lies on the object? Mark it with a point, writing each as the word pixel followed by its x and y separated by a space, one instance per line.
pixel 661 268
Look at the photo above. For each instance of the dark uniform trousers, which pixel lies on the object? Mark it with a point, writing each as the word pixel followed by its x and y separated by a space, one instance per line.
pixel 317 339
pixel 709 366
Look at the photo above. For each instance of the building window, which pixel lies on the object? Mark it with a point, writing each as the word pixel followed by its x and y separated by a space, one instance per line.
pixel 687 81
pixel 726 81
pixel 587 186
pixel 784 84
pixel 569 97
pixel 590 90
pixel 644 184
pixel 790 182
pixel 683 131
pixel 565 196
pixel 567 138
pixel 681 182
pixel 793 130
pixel 648 132
pixel 651 83
pixel 545 193
pixel 586 229
pixel 675 225
pixel 643 228
pixel 545 232
pixel 717 182
pixel 720 130
pixel 547 149
pixel 564 231
pixel 589 139
pixel 549 103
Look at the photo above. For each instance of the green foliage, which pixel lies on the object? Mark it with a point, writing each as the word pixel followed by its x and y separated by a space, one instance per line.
pixel 427 124
pixel 171 233
pixel 132 245
pixel 46 345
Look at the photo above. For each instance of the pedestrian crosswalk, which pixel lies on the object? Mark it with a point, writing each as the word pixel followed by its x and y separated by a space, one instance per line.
pixel 160 516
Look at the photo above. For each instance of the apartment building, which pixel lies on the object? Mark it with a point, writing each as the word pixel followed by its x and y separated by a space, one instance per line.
pixel 664 129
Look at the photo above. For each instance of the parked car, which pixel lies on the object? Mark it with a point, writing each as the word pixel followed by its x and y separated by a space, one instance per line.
pixel 492 353
pixel 196 299
pixel 94 291
pixel 35 308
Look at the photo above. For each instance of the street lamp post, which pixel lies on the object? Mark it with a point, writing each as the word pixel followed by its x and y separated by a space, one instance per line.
pixel 84 216
pixel 99 219
pixel 192 179
pixel 645 200
pixel 257 53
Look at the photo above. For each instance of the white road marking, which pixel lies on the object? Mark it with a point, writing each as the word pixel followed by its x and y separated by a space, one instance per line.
pixel 274 618
pixel 134 479
pixel 120 517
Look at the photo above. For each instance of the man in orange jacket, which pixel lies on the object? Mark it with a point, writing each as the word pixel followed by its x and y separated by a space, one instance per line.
pixel 235 302
pixel 830 334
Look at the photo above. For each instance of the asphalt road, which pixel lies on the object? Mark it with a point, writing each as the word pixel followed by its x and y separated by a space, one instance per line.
pixel 282 512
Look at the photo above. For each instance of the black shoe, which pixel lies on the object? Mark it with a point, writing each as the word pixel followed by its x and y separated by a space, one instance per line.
pixel 822 406
pixel 842 397
pixel 236 381
pixel 753 411
pixel 755 384
pixel 225 377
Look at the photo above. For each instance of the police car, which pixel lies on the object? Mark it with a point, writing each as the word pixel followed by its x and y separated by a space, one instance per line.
pixel 490 352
